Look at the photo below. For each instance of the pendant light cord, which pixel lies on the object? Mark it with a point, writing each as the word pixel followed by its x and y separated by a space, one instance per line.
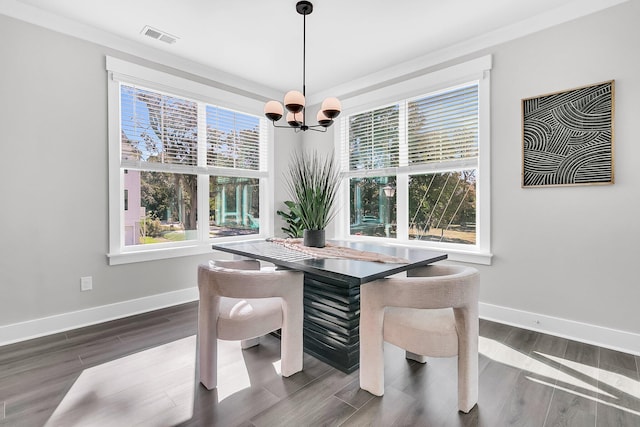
pixel 304 65
pixel 330 108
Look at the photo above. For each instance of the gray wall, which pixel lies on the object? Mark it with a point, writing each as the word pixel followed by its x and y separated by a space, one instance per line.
pixel 53 174
pixel 53 181
pixel 286 142
pixel 565 252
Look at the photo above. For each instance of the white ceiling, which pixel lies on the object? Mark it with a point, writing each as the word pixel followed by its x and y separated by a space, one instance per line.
pixel 261 40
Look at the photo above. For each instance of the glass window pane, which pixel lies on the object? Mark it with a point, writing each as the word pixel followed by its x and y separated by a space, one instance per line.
pixel 234 206
pixel 161 207
pixel 442 207
pixel 373 206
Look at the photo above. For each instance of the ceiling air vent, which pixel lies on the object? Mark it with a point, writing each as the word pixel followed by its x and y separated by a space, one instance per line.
pixel 154 33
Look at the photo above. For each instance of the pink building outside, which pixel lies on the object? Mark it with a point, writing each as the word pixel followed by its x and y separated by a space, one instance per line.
pixel 133 212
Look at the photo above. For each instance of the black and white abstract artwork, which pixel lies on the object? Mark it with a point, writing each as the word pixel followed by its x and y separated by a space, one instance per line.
pixel 568 137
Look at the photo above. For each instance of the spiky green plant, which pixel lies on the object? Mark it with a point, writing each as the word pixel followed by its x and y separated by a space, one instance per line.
pixel 312 183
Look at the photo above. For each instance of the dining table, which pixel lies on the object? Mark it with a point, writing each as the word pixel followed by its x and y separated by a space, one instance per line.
pixel 332 279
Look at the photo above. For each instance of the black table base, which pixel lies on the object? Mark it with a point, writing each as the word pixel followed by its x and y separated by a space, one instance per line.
pixel 332 321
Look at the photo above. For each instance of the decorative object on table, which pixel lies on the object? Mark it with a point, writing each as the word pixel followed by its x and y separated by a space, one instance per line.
pixel 313 184
pixel 568 137
pixel 294 228
pixel 338 252
pixel 294 100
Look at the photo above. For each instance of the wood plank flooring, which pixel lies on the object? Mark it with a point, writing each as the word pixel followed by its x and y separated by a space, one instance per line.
pixel 141 371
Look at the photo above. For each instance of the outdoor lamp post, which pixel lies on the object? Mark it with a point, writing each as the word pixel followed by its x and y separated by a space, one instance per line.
pixel 389 191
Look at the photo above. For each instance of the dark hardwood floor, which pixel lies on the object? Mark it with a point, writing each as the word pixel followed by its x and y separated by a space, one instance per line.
pixel 141 371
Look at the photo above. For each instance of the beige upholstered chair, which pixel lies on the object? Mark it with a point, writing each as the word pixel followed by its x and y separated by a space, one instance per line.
pixel 432 312
pixel 238 301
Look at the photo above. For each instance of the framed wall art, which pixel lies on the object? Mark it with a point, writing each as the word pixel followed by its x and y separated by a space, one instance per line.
pixel 567 137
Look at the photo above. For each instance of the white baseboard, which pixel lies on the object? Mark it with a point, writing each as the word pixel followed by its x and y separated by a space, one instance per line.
pixel 76 319
pixel 627 342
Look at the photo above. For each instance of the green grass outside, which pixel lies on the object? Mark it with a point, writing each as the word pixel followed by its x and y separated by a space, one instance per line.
pixel 170 236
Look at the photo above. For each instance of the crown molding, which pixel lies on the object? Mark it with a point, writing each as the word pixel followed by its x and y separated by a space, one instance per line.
pixel 557 16
pixel 57 23
pixel 551 18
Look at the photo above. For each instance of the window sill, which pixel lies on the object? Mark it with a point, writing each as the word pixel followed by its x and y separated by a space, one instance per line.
pixel 453 254
pixel 458 255
pixel 483 258
pixel 157 254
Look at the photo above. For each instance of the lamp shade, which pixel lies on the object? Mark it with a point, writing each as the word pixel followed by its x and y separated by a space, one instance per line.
pixel 273 110
pixel 295 119
pixel 294 101
pixel 323 120
pixel 331 107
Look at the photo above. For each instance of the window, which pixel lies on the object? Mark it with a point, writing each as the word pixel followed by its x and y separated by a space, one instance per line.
pixel 188 170
pixel 413 170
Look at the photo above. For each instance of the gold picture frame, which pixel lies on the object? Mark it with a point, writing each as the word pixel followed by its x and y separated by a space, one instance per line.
pixel 567 137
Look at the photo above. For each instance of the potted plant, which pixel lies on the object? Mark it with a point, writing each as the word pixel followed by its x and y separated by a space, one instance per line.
pixel 312 183
pixel 294 227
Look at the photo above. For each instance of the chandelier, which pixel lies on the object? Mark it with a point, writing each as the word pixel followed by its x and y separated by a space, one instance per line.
pixel 294 100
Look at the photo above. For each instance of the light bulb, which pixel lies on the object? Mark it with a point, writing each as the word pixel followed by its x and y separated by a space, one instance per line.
pixel 331 107
pixel 294 101
pixel 323 120
pixel 273 110
pixel 295 119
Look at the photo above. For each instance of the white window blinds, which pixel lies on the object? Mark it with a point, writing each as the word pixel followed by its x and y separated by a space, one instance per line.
pixel 435 128
pixel 160 132
pixel 374 139
pixel 444 126
pixel 233 139
pixel 157 128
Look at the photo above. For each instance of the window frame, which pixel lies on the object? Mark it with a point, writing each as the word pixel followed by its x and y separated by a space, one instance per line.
pixel 477 70
pixel 126 73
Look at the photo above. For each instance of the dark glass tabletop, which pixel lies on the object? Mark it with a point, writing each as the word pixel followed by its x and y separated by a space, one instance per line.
pixel 349 270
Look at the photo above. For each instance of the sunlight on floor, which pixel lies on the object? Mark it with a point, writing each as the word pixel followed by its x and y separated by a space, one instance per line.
pixel 586 396
pixel 508 356
pixel 152 385
pixel 233 375
pixel 566 375
pixel 611 379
